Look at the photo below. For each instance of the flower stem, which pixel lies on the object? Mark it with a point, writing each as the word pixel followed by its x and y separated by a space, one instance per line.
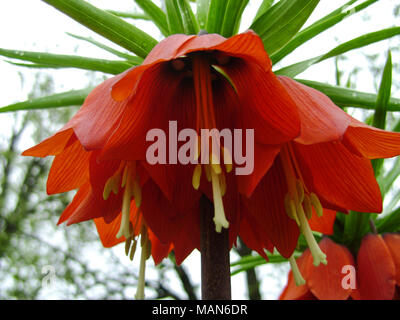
pixel 215 265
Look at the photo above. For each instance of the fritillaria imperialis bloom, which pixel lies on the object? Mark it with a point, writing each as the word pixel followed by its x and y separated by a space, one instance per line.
pixel 310 157
pixel 201 82
pixel 326 167
pixel 376 272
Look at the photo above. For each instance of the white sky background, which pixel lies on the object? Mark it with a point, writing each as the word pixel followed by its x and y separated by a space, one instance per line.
pixel 35 26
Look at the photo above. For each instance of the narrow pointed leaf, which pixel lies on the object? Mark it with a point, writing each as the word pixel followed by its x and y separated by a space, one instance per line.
pixel 390 177
pixel 65 99
pixel 174 17
pixel 129 15
pixel 359 42
pixel 379 120
pixel 133 59
pixel 233 17
pixel 189 21
pixel 389 223
pixel 216 14
pixel 265 5
pixel 345 97
pixel 68 61
pixel 202 12
pixel 318 27
pixel 156 14
pixel 278 25
pixel 107 25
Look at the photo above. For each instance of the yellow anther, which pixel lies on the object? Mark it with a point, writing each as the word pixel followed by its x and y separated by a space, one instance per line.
pixel 307 206
pixel 300 190
pixel 316 204
pixel 215 164
pixel 219 213
pixel 298 278
pixel 133 249
pixel 137 193
pixel 227 159
pixel 128 243
pixel 196 177
pixel 207 170
pixel 290 208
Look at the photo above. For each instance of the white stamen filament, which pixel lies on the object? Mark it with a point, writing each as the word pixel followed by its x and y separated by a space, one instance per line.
pixel 142 269
pixel 298 278
pixel 126 205
pixel 316 252
pixel 219 213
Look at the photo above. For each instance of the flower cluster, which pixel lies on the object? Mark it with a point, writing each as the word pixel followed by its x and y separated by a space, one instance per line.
pixel 311 158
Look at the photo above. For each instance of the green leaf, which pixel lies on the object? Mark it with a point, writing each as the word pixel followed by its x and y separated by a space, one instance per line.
pixel 345 97
pixel 130 15
pixel 202 12
pixel 233 16
pixel 216 14
pixel 188 18
pixel 174 17
pixel 389 223
pixel 278 25
pixel 365 40
pixel 132 59
pixel 390 177
pixel 156 15
pixel 106 24
pixel 379 120
pixel 265 5
pixel 70 98
pixel 318 27
pixel 67 61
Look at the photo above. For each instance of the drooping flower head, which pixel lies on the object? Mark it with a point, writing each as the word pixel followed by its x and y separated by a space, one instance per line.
pixel 310 157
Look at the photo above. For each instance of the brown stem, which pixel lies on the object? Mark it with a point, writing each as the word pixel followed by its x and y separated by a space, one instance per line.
pixel 215 266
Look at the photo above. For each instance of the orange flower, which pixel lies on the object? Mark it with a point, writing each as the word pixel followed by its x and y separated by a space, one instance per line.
pixel 376 272
pixel 325 169
pixel 309 154
pixel 202 82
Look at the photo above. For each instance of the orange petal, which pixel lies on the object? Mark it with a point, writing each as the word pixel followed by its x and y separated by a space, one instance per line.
pixel 339 177
pixel 266 206
pixel 325 282
pixel 53 145
pixel 165 50
pixel 70 169
pixel 99 116
pixel 108 232
pixel 292 291
pixel 266 107
pixel 81 195
pixel 323 224
pixel 370 142
pixel 376 271
pixel 321 120
pixel 158 84
pixel 250 236
pixel 159 250
pixel 392 241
